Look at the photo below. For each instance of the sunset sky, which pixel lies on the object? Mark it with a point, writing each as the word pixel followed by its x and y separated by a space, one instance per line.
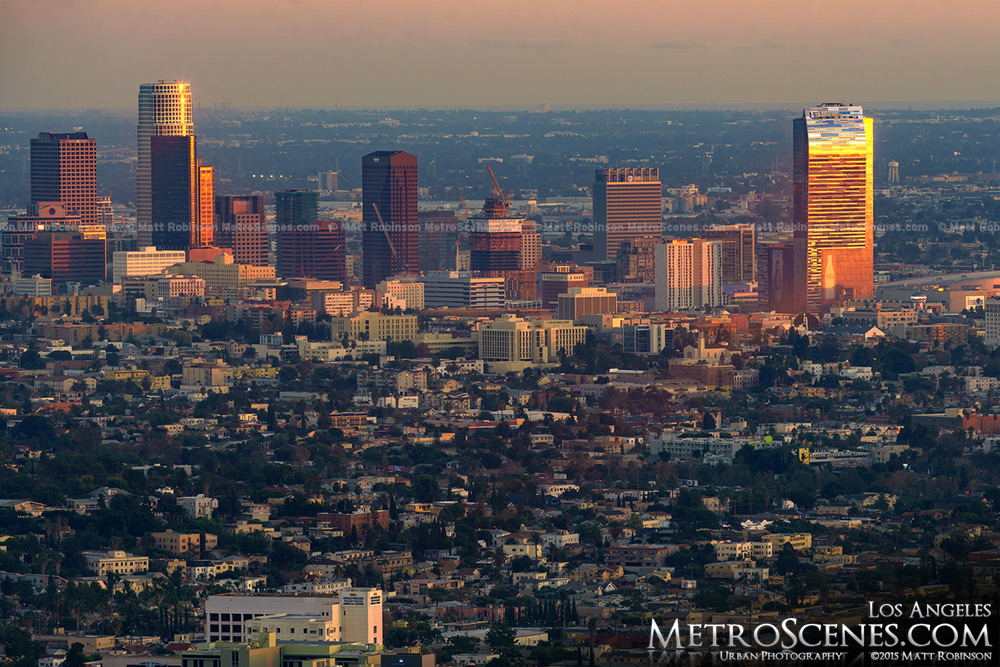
pixel 514 53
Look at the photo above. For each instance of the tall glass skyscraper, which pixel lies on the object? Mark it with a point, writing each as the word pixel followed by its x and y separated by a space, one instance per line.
pixel 390 238
pixel 164 110
pixel 833 206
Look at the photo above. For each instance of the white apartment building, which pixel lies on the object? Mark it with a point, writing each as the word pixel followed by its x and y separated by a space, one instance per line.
pixel 459 289
pixel 688 275
pixel 146 262
pixel 198 507
pixel 405 293
pixel 510 343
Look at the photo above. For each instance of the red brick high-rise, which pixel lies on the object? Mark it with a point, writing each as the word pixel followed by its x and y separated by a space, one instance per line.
pixel 313 251
pixel 64 169
pixel 389 184
pixel 65 257
pixel 242 227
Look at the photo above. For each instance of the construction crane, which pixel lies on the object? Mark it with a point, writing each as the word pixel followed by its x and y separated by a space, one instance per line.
pixel 465 206
pixel 392 248
pixel 323 263
pixel 497 191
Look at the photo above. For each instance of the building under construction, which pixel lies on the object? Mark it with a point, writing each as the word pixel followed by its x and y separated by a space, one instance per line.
pixel 495 242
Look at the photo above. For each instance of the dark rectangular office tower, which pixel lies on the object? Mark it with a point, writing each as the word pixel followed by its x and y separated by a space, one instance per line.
pixel 294 210
pixel 738 254
pixel 64 169
pixel 65 257
pixel 316 251
pixel 628 205
pixel 776 277
pixel 295 207
pixel 242 227
pixel 173 168
pixel 390 238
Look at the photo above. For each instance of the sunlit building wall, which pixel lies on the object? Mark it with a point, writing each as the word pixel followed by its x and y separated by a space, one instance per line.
pixel 833 202
pixel 164 110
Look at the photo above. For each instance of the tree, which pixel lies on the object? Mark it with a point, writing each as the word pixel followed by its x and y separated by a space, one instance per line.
pixel 18 643
pixel 426 489
pixel 501 640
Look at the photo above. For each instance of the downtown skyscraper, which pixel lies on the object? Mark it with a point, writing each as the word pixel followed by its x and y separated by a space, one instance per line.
pixel 175 204
pixel 64 169
pixel 390 238
pixel 628 205
pixel 164 110
pixel 833 206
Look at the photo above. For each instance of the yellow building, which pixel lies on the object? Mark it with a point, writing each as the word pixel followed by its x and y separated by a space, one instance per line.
pixel 799 541
pixel 375 326
pixel 223 277
pixel 402 293
pixel 117 562
pixel 182 543
pixel 207 374
pixel 158 382
pixel 126 374
pixel 511 343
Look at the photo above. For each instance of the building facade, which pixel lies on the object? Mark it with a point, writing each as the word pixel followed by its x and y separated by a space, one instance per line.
pixel 164 110
pixel 375 326
pixel 776 277
pixel 64 169
pixel 39 216
pixel 637 260
pixel 510 343
pixel 65 257
pixel 391 230
pixel 833 206
pixel 314 252
pixel 554 283
pixel 459 289
pixel 580 301
pixel 355 613
pixel 628 204
pixel 241 226
pixel 688 275
pixel 174 199
pixel 738 252
pixel 145 262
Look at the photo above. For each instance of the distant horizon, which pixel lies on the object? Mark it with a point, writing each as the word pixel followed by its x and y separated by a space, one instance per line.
pixel 897 105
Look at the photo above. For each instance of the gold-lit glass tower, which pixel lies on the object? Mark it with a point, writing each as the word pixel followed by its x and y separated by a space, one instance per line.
pixel 833 203
pixel 164 110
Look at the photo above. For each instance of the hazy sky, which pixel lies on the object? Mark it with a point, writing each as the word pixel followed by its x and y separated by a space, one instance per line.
pixel 94 53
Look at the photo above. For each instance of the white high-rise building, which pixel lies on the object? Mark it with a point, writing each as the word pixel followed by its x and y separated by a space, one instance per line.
pixel 688 274
pixel 164 110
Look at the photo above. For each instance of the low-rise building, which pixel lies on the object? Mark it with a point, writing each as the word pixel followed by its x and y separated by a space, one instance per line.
pixel 103 563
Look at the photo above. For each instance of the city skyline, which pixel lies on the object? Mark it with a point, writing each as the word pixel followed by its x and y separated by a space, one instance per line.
pixel 560 53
